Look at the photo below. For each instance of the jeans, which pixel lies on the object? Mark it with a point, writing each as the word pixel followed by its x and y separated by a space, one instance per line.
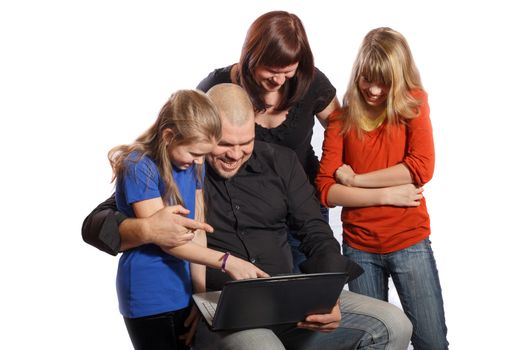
pixel 158 332
pixel 297 254
pixel 366 323
pixel 416 279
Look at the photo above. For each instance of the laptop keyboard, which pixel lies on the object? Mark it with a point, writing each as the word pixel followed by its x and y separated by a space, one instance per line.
pixel 210 307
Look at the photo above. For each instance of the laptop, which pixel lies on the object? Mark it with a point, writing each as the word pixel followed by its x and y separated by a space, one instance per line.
pixel 261 302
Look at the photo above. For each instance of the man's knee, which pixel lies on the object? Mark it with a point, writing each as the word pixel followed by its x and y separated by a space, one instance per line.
pixel 383 321
pixel 401 326
pixel 251 339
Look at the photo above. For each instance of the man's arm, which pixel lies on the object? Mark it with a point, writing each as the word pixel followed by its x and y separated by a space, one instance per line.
pixel 100 227
pixel 112 232
pixel 322 250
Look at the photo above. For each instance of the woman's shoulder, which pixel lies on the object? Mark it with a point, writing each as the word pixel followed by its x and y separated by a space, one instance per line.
pixel 321 85
pixel 320 77
pixel 217 76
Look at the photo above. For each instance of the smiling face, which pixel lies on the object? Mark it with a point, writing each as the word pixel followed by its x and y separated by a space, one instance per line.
pixel 234 149
pixel 374 93
pixel 273 78
pixel 184 156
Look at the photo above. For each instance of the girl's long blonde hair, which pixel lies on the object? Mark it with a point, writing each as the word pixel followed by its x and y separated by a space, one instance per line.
pixel 384 57
pixel 191 117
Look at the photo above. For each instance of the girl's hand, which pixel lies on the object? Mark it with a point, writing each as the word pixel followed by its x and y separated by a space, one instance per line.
pixel 345 175
pixel 191 322
pixel 403 195
pixel 239 269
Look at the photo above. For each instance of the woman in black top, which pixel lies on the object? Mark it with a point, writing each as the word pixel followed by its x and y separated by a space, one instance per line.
pixel 277 70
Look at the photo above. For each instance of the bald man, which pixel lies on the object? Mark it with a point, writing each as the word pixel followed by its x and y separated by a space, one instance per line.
pixel 255 192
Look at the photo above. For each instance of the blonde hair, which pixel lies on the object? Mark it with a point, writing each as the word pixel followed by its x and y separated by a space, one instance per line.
pixel 384 57
pixel 191 117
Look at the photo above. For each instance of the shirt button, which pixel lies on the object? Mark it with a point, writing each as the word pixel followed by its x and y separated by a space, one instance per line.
pixel 243 233
pixel 237 207
pixel 253 260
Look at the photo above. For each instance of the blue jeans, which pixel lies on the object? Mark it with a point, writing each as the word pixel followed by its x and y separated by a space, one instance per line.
pixel 366 323
pixel 297 254
pixel 416 279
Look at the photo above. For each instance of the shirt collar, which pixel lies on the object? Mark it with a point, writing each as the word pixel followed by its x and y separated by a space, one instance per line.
pixel 254 164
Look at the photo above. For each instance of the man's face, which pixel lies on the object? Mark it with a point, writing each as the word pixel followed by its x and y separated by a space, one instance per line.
pixel 234 148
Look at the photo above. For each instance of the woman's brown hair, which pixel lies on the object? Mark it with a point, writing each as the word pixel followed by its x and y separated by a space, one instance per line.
pixel 276 39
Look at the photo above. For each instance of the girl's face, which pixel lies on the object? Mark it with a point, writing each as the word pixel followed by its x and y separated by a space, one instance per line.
pixel 273 78
pixel 184 156
pixel 374 93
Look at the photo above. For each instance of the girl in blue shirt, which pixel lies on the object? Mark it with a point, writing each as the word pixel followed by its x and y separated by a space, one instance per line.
pixel 165 166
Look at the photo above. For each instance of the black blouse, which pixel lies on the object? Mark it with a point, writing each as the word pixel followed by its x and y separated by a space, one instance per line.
pixel 297 129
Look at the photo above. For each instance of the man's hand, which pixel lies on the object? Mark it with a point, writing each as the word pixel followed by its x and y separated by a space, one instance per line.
pixel 168 227
pixel 323 323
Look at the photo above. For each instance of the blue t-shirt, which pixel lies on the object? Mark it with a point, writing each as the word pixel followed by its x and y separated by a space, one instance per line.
pixel 149 281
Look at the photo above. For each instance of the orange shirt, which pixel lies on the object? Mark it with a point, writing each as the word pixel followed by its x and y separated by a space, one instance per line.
pixel 381 229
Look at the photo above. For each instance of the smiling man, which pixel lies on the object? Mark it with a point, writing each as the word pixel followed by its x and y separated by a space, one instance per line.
pixel 238 134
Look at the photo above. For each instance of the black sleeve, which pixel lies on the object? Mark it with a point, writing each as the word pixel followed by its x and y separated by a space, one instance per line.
pixel 322 92
pixel 100 227
pixel 218 76
pixel 318 243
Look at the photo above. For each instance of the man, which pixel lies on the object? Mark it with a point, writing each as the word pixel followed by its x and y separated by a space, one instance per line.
pixel 254 192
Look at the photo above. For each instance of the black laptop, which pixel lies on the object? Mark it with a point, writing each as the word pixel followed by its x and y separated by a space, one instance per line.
pixel 261 302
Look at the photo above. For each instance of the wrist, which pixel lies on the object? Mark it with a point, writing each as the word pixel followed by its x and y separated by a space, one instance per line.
pixel 355 181
pixel 384 196
pixel 224 260
pixel 145 231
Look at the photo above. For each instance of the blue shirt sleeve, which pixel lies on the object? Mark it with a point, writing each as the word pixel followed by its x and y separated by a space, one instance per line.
pixel 141 180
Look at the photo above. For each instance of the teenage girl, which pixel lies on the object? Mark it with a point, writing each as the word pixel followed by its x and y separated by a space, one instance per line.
pixel 165 166
pixel 378 152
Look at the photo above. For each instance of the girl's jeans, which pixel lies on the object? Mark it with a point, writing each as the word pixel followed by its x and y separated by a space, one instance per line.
pixel 415 276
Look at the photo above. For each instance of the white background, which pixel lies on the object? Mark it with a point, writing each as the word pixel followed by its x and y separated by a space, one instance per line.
pixel 79 77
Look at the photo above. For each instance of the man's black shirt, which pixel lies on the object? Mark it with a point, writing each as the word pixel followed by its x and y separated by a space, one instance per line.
pixel 252 211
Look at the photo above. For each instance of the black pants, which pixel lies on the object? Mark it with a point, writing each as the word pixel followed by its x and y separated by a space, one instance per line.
pixel 158 332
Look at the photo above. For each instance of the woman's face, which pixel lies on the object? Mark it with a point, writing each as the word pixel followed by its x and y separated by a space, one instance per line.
pixel 273 78
pixel 374 93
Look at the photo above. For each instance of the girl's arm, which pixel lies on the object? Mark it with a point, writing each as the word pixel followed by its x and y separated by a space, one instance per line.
pixel 198 271
pixel 195 253
pixel 400 196
pixel 391 176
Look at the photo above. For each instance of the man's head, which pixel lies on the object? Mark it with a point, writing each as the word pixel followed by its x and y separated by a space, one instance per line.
pixel 238 129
